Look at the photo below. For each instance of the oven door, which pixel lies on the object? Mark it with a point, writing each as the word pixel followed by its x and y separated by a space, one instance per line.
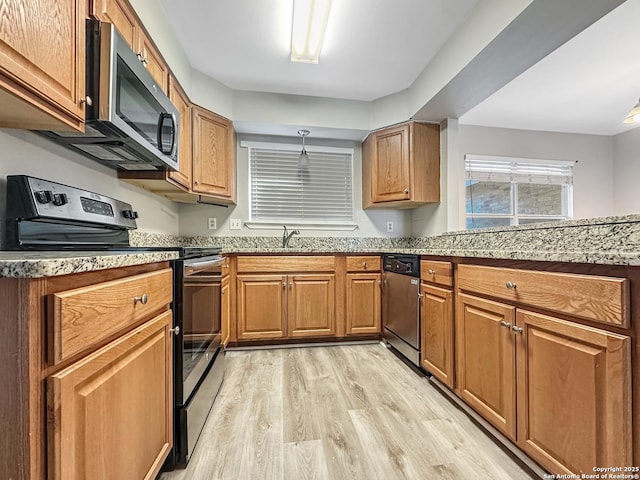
pixel 200 320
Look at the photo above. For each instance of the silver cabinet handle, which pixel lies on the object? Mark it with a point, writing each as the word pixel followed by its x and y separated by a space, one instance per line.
pixel 364 265
pixel 290 285
pixel 87 100
pixel 175 330
pixel 420 295
pixel 284 285
pixel 380 283
pixel 504 324
pixel 431 271
pixel 406 190
pixel 197 182
pixel 516 329
pixel 511 285
pixel 143 299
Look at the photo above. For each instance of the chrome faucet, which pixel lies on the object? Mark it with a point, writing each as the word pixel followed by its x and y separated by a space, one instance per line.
pixel 286 238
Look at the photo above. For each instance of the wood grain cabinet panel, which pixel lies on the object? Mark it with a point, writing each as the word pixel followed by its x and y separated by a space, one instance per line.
pixel 437 272
pixel 597 298
pixel 574 389
pixel 83 317
pixel 437 332
pixel 152 60
pixel 363 263
pixel 110 414
pixel 214 162
pixel 120 14
pixel 225 310
pixel 261 306
pixel 288 264
pixel 487 357
pixel 363 303
pixel 182 104
pixel 42 64
pixel 401 166
pixel 311 305
pixel 391 173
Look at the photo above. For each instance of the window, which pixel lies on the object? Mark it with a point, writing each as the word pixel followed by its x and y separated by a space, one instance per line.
pixel 515 191
pixel 283 192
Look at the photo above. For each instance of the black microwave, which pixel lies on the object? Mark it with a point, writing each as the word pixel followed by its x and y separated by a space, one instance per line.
pixel 130 122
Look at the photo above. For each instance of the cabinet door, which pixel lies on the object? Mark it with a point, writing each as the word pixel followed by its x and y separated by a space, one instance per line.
pixel 181 102
pixel 311 305
pixel 574 397
pixel 110 414
pixel 119 13
pixel 391 165
pixel 213 154
pixel 152 60
pixel 487 360
pixel 437 332
pixel 261 306
pixel 225 307
pixel 42 52
pixel 363 303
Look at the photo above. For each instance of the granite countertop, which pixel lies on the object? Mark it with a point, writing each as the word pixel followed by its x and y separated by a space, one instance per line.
pixel 606 241
pixel 48 264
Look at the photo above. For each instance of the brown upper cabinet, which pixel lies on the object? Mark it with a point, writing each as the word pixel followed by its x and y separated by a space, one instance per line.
pixel 122 16
pixel 182 104
pixel 42 83
pixel 214 159
pixel 401 166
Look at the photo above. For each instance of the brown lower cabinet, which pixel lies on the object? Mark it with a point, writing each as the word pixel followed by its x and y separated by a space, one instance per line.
pixel 109 415
pixel 561 390
pixel 281 306
pixel 86 375
pixel 363 303
pixel 225 307
pixel 288 297
pixel 437 332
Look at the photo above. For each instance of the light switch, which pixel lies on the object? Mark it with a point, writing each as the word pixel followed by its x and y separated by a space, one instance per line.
pixel 212 223
pixel 235 224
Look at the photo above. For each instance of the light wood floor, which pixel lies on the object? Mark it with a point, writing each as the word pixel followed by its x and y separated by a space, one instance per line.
pixel 334 413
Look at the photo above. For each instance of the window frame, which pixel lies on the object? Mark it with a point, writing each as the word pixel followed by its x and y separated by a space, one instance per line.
pixel 293 222
pixel 515 217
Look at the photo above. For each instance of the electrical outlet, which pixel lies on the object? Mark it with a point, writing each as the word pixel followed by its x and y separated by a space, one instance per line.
pixel 212 223
pixel 389 226
pixel 235 224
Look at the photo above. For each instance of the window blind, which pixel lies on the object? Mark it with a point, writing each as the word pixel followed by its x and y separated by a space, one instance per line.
pixel 282 191
pixel 521 170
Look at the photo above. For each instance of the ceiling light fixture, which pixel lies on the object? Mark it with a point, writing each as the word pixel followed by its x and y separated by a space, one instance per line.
pixel 303 158
pixel 634 115
pixel 309 25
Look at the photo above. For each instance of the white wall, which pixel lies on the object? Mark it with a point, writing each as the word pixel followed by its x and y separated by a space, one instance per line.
pixel 626 195
pixel 593 181
pixel 193 218
pixel 26 153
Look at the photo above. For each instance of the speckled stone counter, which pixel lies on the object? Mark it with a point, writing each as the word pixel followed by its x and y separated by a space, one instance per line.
pixel 607 241
pixel 47 264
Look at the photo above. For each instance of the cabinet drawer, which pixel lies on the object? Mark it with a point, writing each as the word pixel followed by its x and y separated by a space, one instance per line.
pixel 436 272
pixel 83 317
pixel 364 263
pixel 601 299
pixel 289 263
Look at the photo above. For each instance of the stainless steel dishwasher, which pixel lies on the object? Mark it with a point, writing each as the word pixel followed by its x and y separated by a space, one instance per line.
pixel 401 304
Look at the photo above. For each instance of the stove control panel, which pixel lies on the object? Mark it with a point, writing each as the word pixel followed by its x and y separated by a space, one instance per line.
pixel 33 198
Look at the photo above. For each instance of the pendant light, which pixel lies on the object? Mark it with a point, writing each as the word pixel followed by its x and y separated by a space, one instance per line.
pixel 303 158
pixel 634 115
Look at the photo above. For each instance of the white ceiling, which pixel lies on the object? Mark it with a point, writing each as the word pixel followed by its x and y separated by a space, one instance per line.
pixel 587 85
pixel 372 48
pixel 375 48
